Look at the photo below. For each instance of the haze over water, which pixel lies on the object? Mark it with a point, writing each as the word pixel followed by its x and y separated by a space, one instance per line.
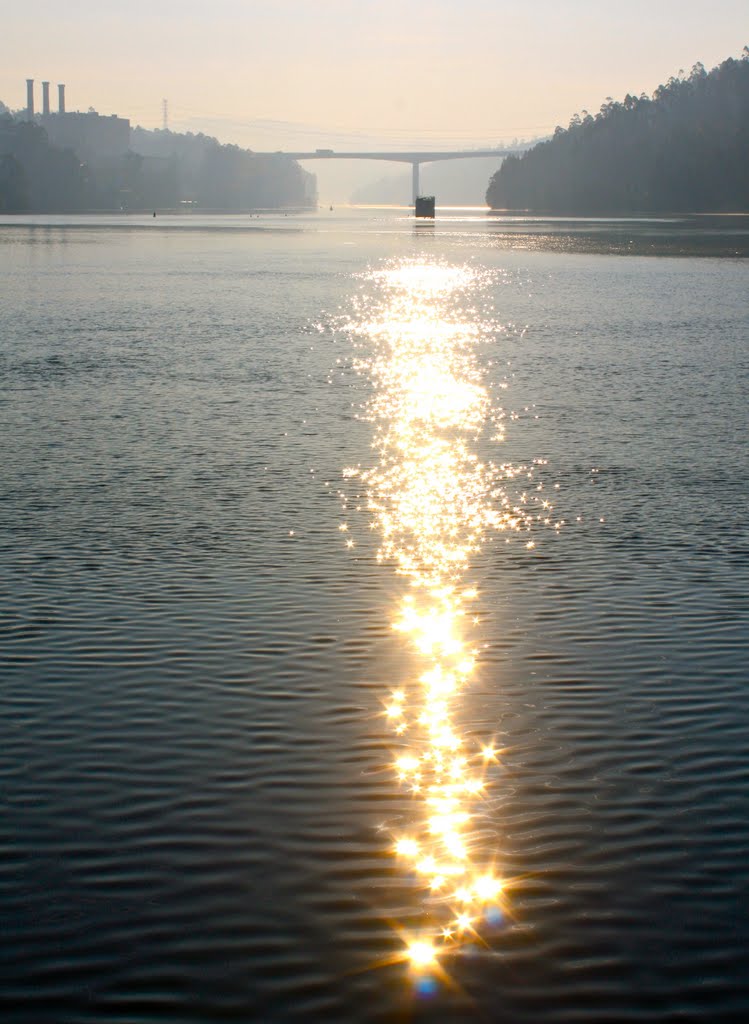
pixel 364 585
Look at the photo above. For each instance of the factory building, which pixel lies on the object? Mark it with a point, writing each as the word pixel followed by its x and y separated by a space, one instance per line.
pixel 93 136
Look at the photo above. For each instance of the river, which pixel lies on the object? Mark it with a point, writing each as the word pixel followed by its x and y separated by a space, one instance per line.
pixel 373 618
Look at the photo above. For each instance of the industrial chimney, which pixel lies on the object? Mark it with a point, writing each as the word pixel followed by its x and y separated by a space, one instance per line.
pixel 45 98
pixel 30 99
pixel 61 99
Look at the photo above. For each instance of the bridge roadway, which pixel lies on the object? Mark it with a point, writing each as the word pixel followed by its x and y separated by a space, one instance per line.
pixel 414 158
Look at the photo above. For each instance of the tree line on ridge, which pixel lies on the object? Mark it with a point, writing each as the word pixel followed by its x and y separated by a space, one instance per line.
pixel 685 149
pixel 161 170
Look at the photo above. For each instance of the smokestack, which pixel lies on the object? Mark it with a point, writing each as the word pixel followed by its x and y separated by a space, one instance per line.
pixel 61 99
pixel 45 98
pixel 30 99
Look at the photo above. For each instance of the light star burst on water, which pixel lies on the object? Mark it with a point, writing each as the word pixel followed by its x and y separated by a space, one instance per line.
pixel 433 500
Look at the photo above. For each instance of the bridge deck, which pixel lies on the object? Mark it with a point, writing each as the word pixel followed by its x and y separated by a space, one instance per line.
pixel 398 157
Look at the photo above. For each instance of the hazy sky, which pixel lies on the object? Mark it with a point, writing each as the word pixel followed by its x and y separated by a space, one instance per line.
pixel 293 73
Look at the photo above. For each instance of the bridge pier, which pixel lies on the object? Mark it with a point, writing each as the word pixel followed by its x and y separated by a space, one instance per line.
pixel 415 179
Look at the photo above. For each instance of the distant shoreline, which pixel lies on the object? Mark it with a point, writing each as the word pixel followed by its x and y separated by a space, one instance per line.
pixel 149 212
pixel 613 214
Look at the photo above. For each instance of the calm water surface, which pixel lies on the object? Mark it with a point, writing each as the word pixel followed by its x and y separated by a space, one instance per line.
pixel 198 804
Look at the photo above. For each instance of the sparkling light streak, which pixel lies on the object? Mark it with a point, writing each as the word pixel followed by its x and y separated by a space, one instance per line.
pixel 433 500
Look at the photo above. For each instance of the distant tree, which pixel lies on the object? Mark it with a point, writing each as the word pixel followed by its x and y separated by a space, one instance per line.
pixel 49 178
pixel 13 186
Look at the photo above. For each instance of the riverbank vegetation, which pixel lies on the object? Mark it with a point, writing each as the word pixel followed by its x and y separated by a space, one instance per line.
pixel 161 170
pixel 685 148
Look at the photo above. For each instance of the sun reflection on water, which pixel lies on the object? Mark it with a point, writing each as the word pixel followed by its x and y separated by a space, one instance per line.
pixel 433 500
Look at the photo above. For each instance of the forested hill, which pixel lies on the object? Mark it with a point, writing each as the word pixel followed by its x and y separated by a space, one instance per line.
pixel 221 177
pixel 685 149
pixel 161 170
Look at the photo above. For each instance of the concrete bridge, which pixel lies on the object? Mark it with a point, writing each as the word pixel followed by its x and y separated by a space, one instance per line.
pixel 415 158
